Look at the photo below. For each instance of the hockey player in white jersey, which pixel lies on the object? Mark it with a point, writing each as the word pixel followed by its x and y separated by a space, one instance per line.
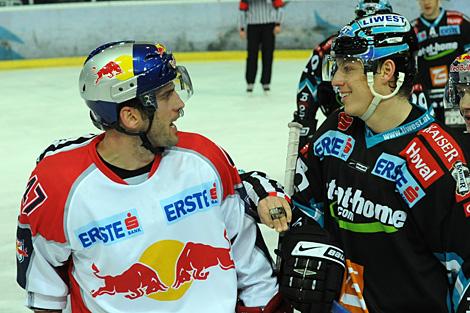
pixel 143 217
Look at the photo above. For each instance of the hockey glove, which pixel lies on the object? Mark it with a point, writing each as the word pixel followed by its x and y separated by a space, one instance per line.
pixel 312 269
pixel 276 305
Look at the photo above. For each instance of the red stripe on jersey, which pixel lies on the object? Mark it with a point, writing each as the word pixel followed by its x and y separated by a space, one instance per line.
pixel 56 175
pixel 443 144
pixel 77 305
pixel 421 163
pixel 227 171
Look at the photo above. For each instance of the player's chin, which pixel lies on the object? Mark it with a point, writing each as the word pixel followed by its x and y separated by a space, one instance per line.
pixel 173 139
pixel 350 109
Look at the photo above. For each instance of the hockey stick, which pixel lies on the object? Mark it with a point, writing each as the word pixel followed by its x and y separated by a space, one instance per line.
pixel 289 174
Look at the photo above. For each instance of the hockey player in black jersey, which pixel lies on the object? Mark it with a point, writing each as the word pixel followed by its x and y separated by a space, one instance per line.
pixel 442 36
pixel 381 186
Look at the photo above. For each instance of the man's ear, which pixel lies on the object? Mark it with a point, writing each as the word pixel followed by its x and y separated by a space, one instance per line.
pixel 130 118
pixel 386 73
pixel 387 70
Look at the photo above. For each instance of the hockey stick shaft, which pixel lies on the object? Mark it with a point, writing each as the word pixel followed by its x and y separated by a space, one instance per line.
pixel 291 160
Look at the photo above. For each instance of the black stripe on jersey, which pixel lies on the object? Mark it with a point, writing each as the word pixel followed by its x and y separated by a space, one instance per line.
pixel 24 251
pixel 250 207
pixel 62 143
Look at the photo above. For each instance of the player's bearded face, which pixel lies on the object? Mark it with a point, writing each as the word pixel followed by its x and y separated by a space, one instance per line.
pixel 350 83
pixel 164 132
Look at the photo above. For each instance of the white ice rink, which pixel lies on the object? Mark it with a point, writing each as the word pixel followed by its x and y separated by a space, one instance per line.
pixel 41 105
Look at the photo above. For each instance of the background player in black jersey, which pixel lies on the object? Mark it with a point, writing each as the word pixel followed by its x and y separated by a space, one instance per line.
pixel 376 188
pixel 442 36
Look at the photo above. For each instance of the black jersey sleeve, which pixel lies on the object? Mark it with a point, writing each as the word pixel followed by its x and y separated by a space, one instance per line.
pixel 444 226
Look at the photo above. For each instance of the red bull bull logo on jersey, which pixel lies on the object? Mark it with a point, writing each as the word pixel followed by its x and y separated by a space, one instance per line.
pixel 110 230
pixel 196 258
pixel 136 281
pixel 165 271
pixel 190 201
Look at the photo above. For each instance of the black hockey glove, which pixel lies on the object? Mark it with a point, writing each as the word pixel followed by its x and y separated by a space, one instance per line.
pixel 312 269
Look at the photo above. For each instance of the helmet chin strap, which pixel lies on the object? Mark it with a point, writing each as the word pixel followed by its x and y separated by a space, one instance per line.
pixel 145 140
pixel 378 97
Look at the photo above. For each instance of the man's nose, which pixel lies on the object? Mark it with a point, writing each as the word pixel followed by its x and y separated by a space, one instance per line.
pixel 337 80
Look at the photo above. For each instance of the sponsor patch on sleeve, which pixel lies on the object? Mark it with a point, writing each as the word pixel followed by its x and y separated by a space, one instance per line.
pixel 334 143
pixel 421 163
pixel 443 144
pixel 461 176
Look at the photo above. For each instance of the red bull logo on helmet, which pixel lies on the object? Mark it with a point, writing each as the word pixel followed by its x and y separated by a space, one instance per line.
pixel 161 49
pixel 165 271
pixel 190 201
pixel 110 70
pixel 121 68
pixel 461 63
pixel 462 58
pixel 111 230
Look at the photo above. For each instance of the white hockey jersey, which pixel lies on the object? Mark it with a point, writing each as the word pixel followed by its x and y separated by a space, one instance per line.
pixel 172 243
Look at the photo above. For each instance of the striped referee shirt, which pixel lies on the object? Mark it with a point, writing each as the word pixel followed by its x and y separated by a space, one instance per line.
pixel 260 12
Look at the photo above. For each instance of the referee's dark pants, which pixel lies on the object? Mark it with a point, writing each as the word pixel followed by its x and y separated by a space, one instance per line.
pixel 260 35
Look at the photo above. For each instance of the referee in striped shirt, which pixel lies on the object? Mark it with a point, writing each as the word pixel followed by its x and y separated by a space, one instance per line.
pixel 260 21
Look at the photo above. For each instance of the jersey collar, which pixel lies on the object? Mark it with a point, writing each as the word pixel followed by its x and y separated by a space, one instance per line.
pixel 424 120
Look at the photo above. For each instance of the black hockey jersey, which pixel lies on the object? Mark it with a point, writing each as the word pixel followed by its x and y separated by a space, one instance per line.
pixel 439 43
pixel 399 204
